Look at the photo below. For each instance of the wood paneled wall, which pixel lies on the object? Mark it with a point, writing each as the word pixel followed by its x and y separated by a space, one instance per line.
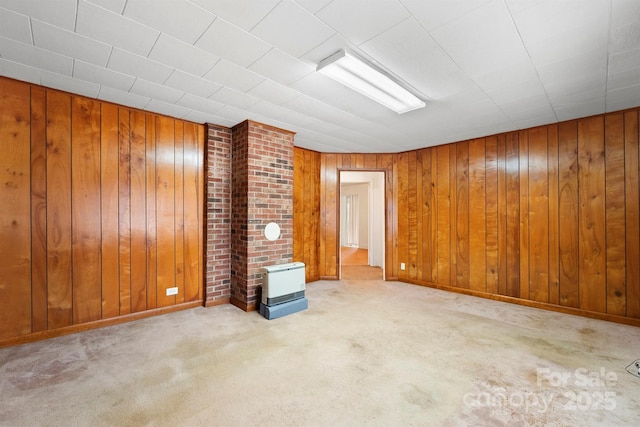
pixel 546 216
pixel 102 210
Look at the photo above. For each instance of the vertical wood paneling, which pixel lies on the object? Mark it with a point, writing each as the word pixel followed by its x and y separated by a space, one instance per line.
pixel 300 176
pixel 124 211
pixel 462 215
pixel 38 209
pixel 201 186
pixel 614 214
pixel 538 215
pixel 632 212
pixel 427 216
pixel 502 214
pixel 512 208
pixel 59 279
pixel 453 215
pixel 417 177
pixel 554 233
pixel 402 237
pixel 478 247
pixel 109 212
pixel 179 209
pixel 79 209
pixel 541 212
pixel 444 212
pixel 138 212
pixel 385 162
pixel 524 260
pixel 491 214
pixel 331 221
pixel 85 202
pixel 165 202
pixel 434 215
pixel 151 208
pixel 591 214
pixel 15 212
pixel 568 213
pixel 191 258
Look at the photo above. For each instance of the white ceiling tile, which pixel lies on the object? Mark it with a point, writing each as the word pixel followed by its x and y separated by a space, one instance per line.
pixel 68 43
pixel 167 109
pixel 102 76
pixel 68 84
pixel 514 74
pixel 138 66
pixel 199 103
pixel 586 109
pixel 552 30
pixel 625 38
pixel 61 13
pixel 232 43
pixel 15 26
pixel 567 75
pixel 360 20
pixel 411 54
pixel 292 29
pixel 185 57
pixel 313 6
pixel 199 117
pixel 273 92
pixel 169 17
pixel 35 57
pixel 234 98
pixel 621 99
pixel 153 90
pixel 116 6
pixel 511 91
pixel 527 106
pixel 191 84
pixel 433 14
pixel 18 71
pixel 124 98
pixel 245 14
pixel 229 74
pixel 280 67
pixel 114 29
pixel 624 62
pixel 496 42
pixel 326 49
pixel 233 115
pixel 282 114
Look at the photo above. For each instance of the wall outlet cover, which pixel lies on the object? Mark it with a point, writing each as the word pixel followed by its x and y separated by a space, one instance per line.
pixel 402 266
pixel 172 291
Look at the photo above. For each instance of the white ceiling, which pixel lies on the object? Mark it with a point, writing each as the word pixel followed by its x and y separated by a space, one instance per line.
pixel 482 66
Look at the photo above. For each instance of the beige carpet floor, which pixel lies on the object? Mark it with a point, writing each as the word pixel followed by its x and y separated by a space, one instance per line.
pixel 364 353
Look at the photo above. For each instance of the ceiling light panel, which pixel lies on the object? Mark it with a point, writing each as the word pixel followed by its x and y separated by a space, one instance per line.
pixel 363 78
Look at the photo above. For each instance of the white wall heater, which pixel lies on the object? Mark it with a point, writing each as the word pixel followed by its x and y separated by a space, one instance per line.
pixel 283 288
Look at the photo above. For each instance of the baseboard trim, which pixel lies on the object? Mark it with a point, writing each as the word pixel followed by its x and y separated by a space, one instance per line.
pixel 216 302
pixel 43 335
pixel 535 304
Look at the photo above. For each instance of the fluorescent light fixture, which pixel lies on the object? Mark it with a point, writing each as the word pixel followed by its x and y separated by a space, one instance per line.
pixel 361 77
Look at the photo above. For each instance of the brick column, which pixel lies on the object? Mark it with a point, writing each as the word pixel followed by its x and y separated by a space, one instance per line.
pixel 218 225
pixel 262 192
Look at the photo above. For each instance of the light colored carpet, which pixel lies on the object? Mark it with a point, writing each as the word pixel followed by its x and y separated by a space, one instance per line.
pixel 364 353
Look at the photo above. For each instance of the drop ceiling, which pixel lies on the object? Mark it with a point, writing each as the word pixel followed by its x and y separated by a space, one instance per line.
pixel 482 66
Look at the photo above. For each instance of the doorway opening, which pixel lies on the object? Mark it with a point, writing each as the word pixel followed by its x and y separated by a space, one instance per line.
pixel 362 225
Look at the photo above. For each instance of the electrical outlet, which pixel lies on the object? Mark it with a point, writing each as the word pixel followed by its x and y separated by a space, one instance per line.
pixel 172 291
pixel 402 266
